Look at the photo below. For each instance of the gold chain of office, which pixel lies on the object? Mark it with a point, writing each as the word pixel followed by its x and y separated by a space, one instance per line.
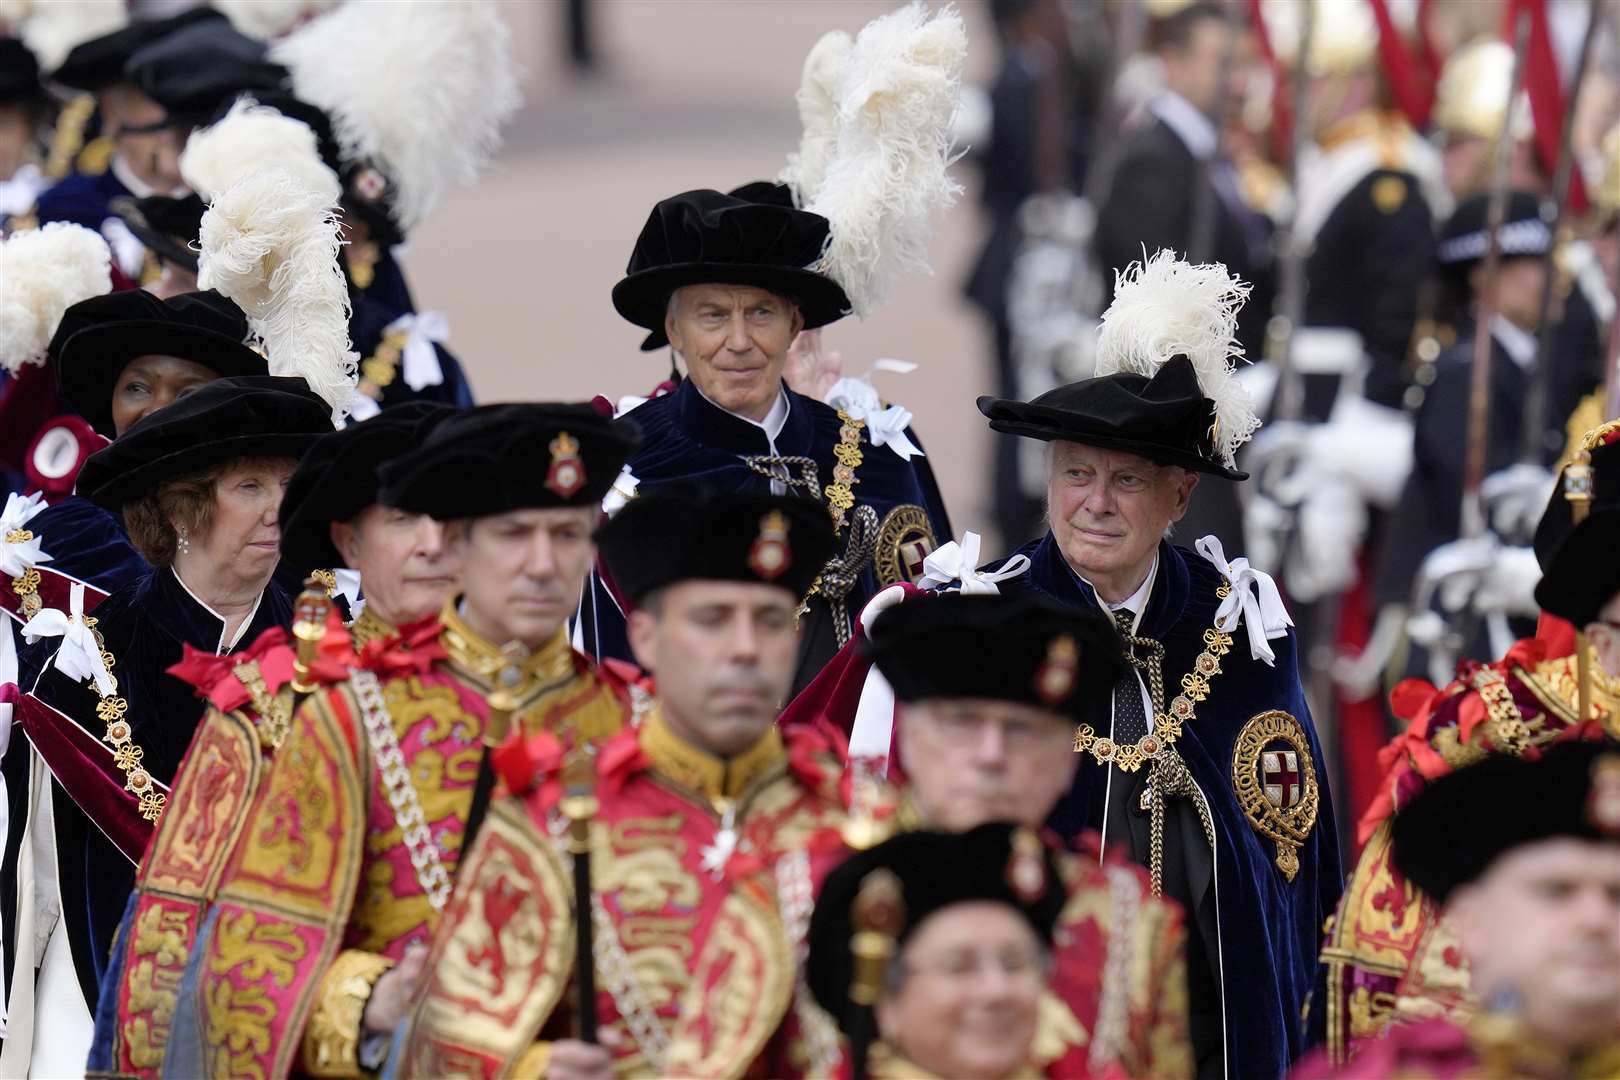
pixel 113 711
pixel 1167 723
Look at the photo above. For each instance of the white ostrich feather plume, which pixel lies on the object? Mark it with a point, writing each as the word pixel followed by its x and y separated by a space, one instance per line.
pixel 818 115
pixel 896 96
pixel 45 272
pixel 267 20
pixel 1165 307
pixel 51 28
pixel 249 138
pixel 421 89
pixel 270 243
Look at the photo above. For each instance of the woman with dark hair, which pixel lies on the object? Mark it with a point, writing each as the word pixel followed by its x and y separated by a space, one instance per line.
pixel 198 485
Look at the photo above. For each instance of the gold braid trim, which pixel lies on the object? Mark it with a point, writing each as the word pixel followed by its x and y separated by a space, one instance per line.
pixel 332 1037
pixel 1167 724
pixel 848 455
pixel 113 710
pixel 68 138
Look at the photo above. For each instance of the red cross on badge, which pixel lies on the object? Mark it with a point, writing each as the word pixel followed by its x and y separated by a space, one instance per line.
pixel 1279 774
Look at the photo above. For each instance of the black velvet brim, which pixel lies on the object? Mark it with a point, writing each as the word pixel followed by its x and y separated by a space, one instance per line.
pixel 99 354
pixel 1583 574
pixel 131 484
pixel 168 248
pixel 643 298
pixel 1036 422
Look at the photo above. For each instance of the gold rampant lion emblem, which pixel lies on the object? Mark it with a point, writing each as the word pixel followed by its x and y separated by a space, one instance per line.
pixel 1274 780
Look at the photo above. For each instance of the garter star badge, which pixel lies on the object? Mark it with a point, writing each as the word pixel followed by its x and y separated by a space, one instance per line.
pixel 567 472
pixel 1275 783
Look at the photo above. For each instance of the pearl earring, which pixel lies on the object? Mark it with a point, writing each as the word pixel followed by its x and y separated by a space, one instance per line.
pixel 184 544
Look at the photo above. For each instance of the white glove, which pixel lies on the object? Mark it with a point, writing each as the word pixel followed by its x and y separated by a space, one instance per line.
pixel 1515 498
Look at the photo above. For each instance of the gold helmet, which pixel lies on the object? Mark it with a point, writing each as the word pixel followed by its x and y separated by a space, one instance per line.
pixel 1471 98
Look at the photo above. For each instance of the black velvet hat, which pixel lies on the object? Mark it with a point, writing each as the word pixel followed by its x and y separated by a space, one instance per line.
pixel 19 73
pixel 659 539
pixel 890 889
pixel 1464 237
pixel 496 458
pixel 98 337
pixel 337 478
pixel 1584 572
pixel 1457 826
pixel 703 236
pixel 167 226
pixel 999 648
pixel 1166 419
pixel 99 63
pixel 256 416
pixel 192 71
pixel 1558 520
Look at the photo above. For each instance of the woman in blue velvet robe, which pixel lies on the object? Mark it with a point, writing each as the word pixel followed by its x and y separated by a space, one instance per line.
pixel 197 483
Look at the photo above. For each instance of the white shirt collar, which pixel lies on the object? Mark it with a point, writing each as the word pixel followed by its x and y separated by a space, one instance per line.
pixel 1191 126
pixel 1519 343
pixel 224 646
pixel 1136 603
pixel 774 421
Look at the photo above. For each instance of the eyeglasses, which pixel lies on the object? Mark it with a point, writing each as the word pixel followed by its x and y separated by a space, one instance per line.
pixel 964 729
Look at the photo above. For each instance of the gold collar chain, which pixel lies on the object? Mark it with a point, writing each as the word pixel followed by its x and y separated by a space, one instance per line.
pixel 113 710
pixel 720 780
pixel 1167 723
pixel 368 627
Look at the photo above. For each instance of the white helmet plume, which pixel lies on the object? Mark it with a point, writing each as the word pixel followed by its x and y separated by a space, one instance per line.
pixel 421 89
pixel 1165 307
pixel 895 94
pixel 46 271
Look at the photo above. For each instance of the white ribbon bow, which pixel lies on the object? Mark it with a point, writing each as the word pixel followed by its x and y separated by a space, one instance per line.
pixel 19 557
pixel 953 562
pixel 856 396
pixel 1253 599
pixel 79 657
pixel 419 360
pixel 361 407
pixel 622 491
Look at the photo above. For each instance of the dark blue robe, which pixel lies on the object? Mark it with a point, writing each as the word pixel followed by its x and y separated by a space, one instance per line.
pixel 144 626
pixel 689 441
pixel 81 198
pixel 370 317
pixel 1256 932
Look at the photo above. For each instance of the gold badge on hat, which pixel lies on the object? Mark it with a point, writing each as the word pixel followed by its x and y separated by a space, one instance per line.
pixel 567 472
pixel 1054 679
pixel 770 556
pixel 1026 871
pixel 1603 801
pixel 369 184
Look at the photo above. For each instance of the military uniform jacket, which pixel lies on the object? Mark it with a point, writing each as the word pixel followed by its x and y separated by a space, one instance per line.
pixel 688 440
pixel 113 758
pixel 1388 955
pixel 1245 735
pixel 702 874
pixel 352 847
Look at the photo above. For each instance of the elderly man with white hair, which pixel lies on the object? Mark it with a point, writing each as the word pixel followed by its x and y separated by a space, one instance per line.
pixel 1203 763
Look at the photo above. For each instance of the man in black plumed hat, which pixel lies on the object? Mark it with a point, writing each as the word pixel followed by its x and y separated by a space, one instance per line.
pixel 1203 763
pixel 518 489
pixel 1523 857
pixel 707 797
pixel 931 950
pixel 726 281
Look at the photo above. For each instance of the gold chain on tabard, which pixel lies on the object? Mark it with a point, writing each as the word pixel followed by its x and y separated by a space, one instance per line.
pixel 275 710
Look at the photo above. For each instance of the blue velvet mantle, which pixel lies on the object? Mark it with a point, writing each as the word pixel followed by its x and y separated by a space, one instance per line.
pixel 1269 928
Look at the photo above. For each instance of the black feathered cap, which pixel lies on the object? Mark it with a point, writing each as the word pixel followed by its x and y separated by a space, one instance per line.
pixel 98 337
pixel 496 458
pixel 1584 572
pixel 998 863
pixel 671 536
pixel 1457 826
pixel 192 71
pixel 165 225
pixel 19 73
pixel 1558 520
pixel 99 63
pixel 1001 648
pixel 259 416
pixel 703 236
pixel 338 478
pixel 1165 418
